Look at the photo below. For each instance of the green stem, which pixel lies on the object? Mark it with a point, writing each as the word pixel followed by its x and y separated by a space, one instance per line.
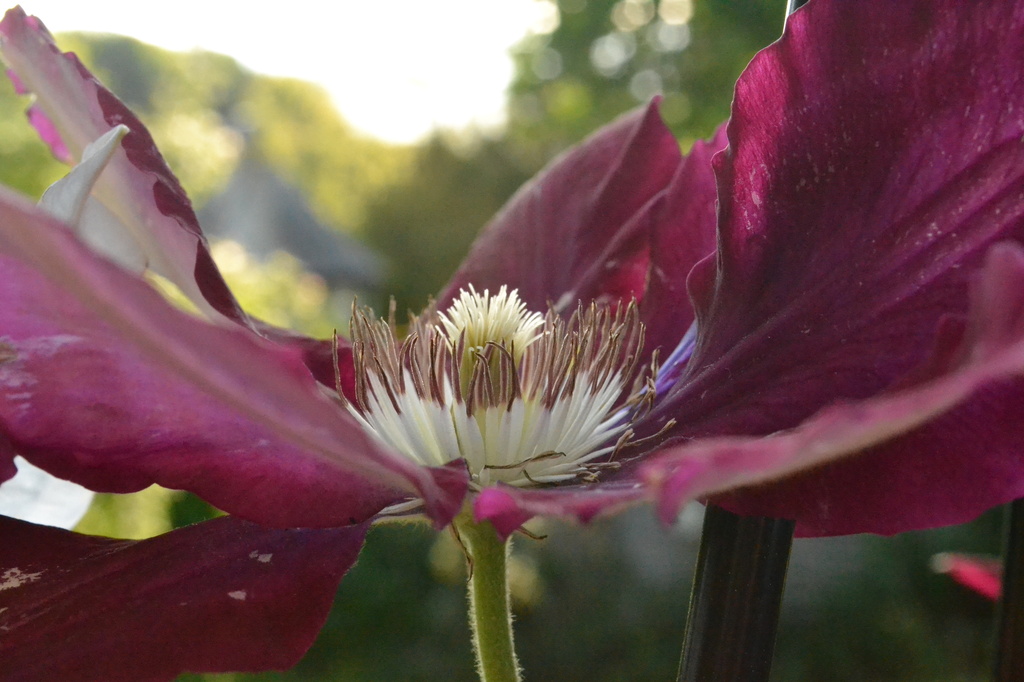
pixel 489 614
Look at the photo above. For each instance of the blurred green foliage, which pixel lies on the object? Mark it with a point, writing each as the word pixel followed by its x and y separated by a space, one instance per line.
pixel 425 224
pixel 605 602
pixel 204 109
pixel 277 290
pixel 606 56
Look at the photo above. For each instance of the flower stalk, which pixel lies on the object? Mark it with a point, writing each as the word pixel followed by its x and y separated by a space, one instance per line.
pixel 490 615
pixel 737 588
pixel 1010 649
pixel 737 594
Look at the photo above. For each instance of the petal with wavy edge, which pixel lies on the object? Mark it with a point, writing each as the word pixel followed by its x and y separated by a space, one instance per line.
pixel 572 233
pixel 71 110
pixel 106 384
pixel 35 496
pixel 224 595
pixel 849 229
pixel 900 485
pixel 683 234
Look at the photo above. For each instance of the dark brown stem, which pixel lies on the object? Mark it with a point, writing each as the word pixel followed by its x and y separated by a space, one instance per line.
pixel 737 594
pixel 1010 645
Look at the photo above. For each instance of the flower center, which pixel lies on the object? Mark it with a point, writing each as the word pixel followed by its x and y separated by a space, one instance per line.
pixel 524 399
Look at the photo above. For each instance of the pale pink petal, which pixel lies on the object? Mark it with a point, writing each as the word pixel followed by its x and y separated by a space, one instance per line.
pixel 71 110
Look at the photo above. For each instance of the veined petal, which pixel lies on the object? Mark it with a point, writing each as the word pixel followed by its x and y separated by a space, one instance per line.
pixel 581 214
pixel 848 227
pixel 224 595
pixel 71 110
pixel 36 496
pixel 953 462
pixel 683 234
pixel 103 382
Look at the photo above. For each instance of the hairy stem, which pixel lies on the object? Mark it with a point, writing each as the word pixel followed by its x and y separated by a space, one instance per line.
pixel 490 617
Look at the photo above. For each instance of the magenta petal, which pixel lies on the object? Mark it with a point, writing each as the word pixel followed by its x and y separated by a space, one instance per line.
pixel 49 134
pixel 508 508
pixel 934 453
pixel 849 227
pixel 984 575
pixel 104 383
pixel 71 110
pixel 224 595
pixel 682 235
pixel 8 469
pixel 318 355
pixel 571 234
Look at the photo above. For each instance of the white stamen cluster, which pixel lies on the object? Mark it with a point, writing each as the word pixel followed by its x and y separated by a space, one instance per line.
pixel 501 319
pixel 523 398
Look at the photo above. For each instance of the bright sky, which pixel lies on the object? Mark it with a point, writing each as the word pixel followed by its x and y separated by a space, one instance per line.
pixel 395 68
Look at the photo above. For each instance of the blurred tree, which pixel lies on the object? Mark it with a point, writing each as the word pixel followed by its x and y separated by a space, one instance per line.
pixel 203 108
pixel 604 57
pixel 304 139
pixel 424 225
pixel 600 59
pixel 185 99
pixel 277 291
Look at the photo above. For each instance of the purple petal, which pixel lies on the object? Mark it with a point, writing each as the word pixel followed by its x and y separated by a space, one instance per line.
pixel 573 232
pixel 224 595
pixel 49 134
pixel 508 508
pixel 70 111
pixel 848 228
pixel 318 355
pixel 941 472
pixel 682 235
pixel 8 469
pixel 106 384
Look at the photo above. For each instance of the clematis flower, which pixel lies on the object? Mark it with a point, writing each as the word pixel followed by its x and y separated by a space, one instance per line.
pixel 833 309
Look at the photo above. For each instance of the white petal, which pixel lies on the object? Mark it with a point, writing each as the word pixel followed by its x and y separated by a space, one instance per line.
pixel 36 496
pixel 66 198
pixel 108 236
